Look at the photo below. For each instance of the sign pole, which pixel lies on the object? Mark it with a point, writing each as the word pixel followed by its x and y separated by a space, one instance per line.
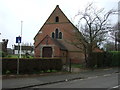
pixel 18 58
pixel 18 40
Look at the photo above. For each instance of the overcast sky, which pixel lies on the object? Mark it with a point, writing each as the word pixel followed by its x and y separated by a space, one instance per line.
pixel 34 13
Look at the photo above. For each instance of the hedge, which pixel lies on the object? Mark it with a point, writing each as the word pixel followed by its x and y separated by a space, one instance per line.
pixel 106 59
pixel 115 59
pixel 30 65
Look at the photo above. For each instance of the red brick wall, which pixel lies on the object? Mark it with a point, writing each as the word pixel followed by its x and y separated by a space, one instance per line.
pixel 59 13
pixel 67 30
pixel 76 57
pixel 64 56
pixel 37 51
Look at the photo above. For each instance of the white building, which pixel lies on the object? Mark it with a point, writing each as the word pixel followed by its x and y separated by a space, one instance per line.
pixel 24 50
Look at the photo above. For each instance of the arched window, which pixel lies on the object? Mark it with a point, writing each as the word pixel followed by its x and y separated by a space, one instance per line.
pixel 56 19
pixel 56 33
pixel 53 35
pixel 60 35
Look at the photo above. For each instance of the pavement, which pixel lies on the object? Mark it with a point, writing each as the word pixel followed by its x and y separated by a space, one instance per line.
pixel 31 81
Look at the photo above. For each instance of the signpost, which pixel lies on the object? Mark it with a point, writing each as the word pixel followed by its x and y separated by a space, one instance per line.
pixel 18 40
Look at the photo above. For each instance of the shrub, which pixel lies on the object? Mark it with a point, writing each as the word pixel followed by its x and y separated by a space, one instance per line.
pixel 8 72
pixel 115 59
pixel 106 59
pixel 3 54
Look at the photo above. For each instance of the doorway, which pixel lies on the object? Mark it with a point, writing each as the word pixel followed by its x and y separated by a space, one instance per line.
pixel 47 52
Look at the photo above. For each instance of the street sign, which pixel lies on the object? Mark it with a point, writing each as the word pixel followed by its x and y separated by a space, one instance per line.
pixel 18 39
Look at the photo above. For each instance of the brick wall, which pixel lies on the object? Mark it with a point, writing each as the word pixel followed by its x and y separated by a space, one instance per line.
pixel 68 30
pixel 76 57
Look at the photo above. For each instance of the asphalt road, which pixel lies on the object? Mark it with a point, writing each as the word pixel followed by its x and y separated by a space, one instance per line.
pixel 100 78
pixel 104 81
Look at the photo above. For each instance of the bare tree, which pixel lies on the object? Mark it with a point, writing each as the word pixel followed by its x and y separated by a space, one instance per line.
pixel 4 45
pixel 92 27
pixel 109 46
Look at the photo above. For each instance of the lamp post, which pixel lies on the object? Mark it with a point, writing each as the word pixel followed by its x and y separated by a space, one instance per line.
pixel 116 41
pixel 21 39
pixel 0 38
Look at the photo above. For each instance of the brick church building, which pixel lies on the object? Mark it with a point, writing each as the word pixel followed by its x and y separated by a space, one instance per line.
pixel 52 40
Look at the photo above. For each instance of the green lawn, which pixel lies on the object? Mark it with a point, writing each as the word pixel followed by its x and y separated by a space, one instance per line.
pixel 77 66
pixel 16 56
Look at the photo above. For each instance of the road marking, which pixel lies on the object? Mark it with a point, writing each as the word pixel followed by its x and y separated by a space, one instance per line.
pixel 116 86
pixel 92 77
pixel 96 76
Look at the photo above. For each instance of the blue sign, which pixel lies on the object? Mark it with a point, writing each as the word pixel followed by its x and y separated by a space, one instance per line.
pixel 18 39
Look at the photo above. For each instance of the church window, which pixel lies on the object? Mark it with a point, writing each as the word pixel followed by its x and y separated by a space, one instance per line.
pixel 53 35
pixel 60 35
pixel 56 19
pixel 56 34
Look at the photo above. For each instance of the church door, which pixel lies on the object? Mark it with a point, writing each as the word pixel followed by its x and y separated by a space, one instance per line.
pixel 47 52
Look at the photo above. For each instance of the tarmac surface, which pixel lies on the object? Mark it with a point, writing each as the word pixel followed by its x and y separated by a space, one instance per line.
pixel 38 80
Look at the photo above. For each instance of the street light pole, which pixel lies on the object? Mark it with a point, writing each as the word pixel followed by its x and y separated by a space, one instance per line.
pixel 21 39
pixel 0 38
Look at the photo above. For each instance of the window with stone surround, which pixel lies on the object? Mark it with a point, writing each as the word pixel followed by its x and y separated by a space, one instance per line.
pixel 57 34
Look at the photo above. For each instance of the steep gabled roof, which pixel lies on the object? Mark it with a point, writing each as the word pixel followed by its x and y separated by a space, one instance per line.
pixel 54 11
pixel 58 11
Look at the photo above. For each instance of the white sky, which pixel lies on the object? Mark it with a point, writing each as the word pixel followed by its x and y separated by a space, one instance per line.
pixel 34 13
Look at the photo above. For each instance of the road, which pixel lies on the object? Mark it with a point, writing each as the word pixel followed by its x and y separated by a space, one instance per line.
pixel 100 78
pixel 104 81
